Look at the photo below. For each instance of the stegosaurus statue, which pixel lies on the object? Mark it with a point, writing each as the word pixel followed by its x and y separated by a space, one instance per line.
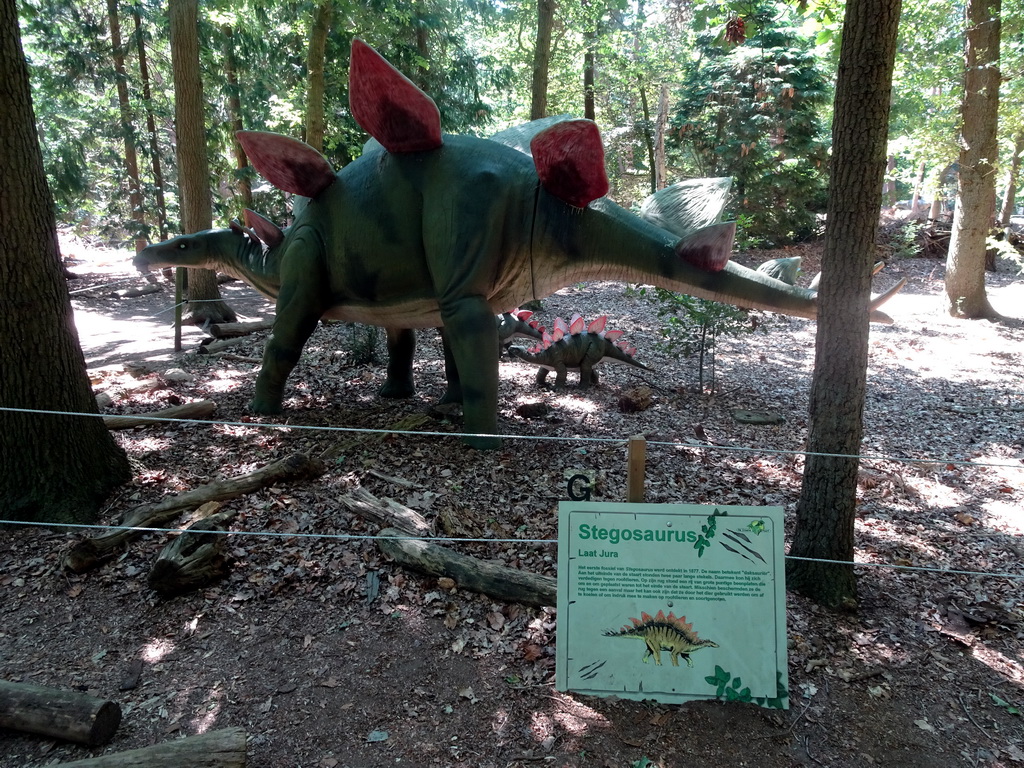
pixel 664 633
pixel 579 346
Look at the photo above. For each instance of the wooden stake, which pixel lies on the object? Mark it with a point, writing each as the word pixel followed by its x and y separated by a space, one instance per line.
pixel 636 458
pixel 179 292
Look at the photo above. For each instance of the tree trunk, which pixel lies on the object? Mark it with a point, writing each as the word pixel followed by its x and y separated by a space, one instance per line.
pixel 1012 175
pixel 915 197
pixel 660 165
pixel 647 125
pixel 131 155
pixel 53 468
pixel 315 74
pixel 204 298
pixel 825 511
pixel 235 116
pixel 589 73
pixel 645 129
pixel 889 187
pixel 542 59
pixel 975 200
pixel 154 147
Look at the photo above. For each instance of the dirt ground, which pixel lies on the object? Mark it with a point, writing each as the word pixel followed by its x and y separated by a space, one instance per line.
pixel 330 655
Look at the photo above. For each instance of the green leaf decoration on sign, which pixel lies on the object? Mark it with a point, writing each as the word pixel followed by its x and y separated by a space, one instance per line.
pixel 732 689
pixel 707 532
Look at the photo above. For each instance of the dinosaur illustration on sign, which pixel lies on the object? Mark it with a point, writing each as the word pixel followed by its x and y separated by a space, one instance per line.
pixel 664 633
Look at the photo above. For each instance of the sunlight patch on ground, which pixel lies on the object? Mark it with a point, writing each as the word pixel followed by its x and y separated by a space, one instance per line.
pixel 575 717
pixel 235 430
pixel 215 700
pixel 156 649
pixel 1008 513
pixel 228 379
pixel 998 662
pixel 575 404
pixel 148 444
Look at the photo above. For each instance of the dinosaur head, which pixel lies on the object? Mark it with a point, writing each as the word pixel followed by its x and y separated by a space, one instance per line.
pixel 210 249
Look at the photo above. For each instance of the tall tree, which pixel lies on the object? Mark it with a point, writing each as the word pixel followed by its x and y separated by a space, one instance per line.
pixel 206 305
pixel 154 148
pixel 975 200
pixel 234 110
pixel 825 511
pixel 318 30
pixel 1012 177
pixel 542 58
pixel 749 108
pixel 53 468
pixel 131 155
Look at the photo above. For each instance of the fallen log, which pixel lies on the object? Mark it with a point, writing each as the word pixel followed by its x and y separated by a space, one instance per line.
pixel 399 523
pixel 212 347
pixel 88 553
pixel 57 713
pixel 193 560
pixel 197 410
pixel 385 512
pixel 497 581
pixel 134 293
pixel 231 330
pixel 224 748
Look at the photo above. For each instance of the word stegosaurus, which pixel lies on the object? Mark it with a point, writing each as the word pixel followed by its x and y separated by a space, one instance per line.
pixel 664 633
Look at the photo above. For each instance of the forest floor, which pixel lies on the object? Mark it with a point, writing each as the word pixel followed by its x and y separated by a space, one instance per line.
pixel 328 654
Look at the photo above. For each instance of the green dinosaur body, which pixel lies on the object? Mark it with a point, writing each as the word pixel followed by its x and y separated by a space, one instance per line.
pixel 664 633
pixel 448 231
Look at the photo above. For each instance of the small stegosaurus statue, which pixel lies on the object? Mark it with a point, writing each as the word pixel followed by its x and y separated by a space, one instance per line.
pixel 664 633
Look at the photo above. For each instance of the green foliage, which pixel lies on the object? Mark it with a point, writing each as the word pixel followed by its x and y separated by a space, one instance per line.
pixel 1005 250
pixel 750 111
pixel 364 344
pixel 905 240
pixel 1010 708
pixel 692 326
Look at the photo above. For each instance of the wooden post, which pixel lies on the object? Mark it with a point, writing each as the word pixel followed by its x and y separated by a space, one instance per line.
pixel 179 292
pixel 636 458
pixel 57 713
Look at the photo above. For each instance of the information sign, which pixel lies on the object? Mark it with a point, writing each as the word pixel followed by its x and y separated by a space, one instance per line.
pixel 672 602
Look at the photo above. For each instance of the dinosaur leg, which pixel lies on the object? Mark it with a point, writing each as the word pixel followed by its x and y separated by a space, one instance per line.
pixel 560 373
pixel 451 371
pixel 542 376
pixel 401 350
pixel 300 304
pixel 654 649
pixel 282 352
pixel 469 328
pixel 586 374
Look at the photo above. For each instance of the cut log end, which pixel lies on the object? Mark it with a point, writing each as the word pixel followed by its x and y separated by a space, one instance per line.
pixel 58 714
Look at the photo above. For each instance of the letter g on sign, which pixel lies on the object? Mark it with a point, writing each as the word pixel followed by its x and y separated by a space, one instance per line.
pixel 579 486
